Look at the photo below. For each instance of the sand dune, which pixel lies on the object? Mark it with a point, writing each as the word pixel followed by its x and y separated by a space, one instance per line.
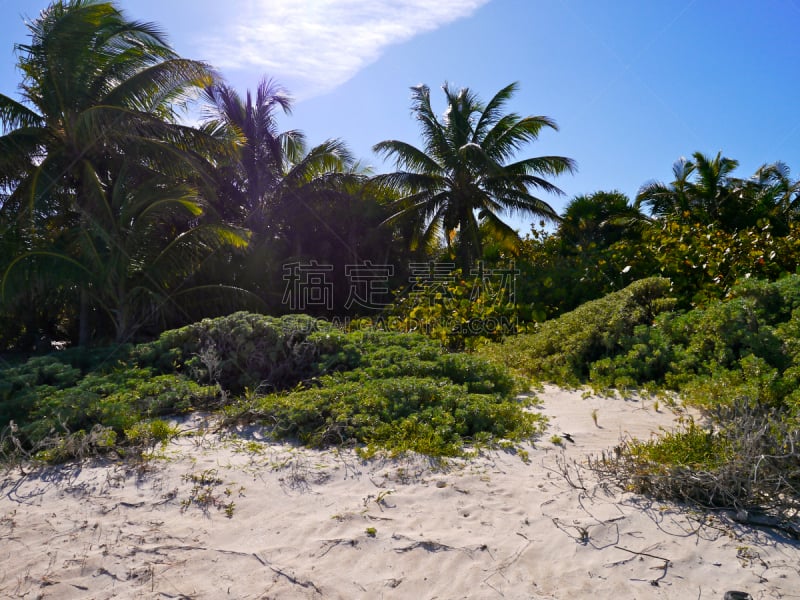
pixel 234 516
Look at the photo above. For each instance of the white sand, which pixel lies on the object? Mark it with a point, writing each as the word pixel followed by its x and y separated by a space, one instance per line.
pixel 495 527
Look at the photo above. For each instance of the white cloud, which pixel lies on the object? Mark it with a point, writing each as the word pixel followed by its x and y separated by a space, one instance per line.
pixel 320 44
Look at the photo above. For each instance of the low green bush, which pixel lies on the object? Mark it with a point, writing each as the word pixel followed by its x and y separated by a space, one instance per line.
pixel 738 359
pixel 118 400
pixel 150 433
pixel 404 413
pixel 632 338
pixel 749 464
pixel 78 445
pixel 20 385
pixel 563 349
pixel 241 350
pixel 383 389
pixel 386 355
pixel 403 392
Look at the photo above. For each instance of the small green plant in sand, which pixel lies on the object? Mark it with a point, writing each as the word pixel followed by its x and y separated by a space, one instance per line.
pixel 371 531
pixel 151 433
pixel 556 440
pixel 77 445
pixel 204 494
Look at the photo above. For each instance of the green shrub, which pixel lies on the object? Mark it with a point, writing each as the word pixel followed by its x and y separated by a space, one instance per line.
pixel 562 350
pixel 752 382
pixel 401 392
pixel 242 350
pixel 460 313
pixel 704 262
pixel 150 433
pixel 384 389
pixel 20 385
pixel 59 448
pixel 728 331
pixel 387 355
pixel 404 413
pixel 644 360
pixel 612 343
pixel 749 464
pixel 738 359
pixel 692 447
pixel 116 400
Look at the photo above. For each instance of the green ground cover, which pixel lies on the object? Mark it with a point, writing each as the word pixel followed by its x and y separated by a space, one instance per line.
pixel 737 360
pixel 303 378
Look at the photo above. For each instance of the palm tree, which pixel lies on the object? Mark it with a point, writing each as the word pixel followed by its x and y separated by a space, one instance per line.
pixel 704 191
pixel 290 197
pixel 461 179
pixel 246 183
pixel 598 220
pixel 701 191
pixel 770 194
pixel 312 210
pixel 674 199
pixel 98 91
pixel 139 262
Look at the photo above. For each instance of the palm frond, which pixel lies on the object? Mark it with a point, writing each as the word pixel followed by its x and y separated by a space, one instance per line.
pixel 492 113
pixel 407 156
pixel 409 182
pixel 14 115
pixel 57 267
pixel 162 84
pixel 501 231
pixel 543 165
pixel 511 133
pixel 179 259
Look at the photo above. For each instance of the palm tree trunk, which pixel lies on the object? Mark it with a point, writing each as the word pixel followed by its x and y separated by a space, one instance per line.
pixel 84 329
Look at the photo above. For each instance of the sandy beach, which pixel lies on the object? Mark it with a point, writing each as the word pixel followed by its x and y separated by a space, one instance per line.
pixel 221 515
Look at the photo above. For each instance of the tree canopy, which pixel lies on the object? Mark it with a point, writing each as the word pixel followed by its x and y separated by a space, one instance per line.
pixel 462 178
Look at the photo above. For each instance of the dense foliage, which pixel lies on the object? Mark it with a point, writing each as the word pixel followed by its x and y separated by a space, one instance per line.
pixel 299 376
pixel 461 312
pixel 738 360
pixel 405 394
pixel 564 349
pixel 120 224
pixel 462 180
pixel 743 346
pixel 105 213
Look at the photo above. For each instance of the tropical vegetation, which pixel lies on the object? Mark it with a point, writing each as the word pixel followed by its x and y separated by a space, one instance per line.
pixel 462 180
pixel 140 256
pixel 300 377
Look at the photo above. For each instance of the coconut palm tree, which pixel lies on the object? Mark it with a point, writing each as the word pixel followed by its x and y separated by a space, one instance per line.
pixel 310 213
pixel 138 262
pixel 247 182
pixel 98 91
pixel 290 197
pixel 462 178
pixel 598 220
pixel 701 191
pixel 771 194
pixel 704 191
pixel 662 200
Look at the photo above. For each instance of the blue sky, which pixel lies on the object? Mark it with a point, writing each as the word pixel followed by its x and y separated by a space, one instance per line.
pixel 633 85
